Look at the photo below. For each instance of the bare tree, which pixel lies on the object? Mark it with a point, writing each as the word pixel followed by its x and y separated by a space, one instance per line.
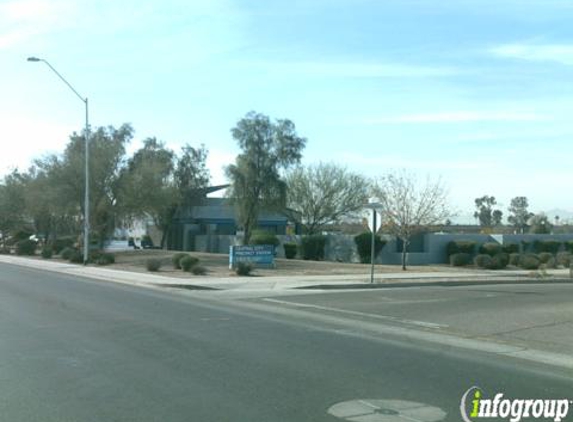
pixel 322 194
pixel 409 207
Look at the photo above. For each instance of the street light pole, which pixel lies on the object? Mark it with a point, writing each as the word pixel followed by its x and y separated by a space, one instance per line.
pixel 87 174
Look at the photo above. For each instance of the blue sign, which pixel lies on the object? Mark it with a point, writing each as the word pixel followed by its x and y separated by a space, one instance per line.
pixel 257 255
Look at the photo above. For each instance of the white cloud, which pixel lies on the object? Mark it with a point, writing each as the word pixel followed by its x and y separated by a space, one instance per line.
pixel 457 117
pixel 15 37
pixel 26 10
pixel 560 53
pixel 30 138
pixel 217 160
pixel 352 69
pixel 24 19
pixel 373 162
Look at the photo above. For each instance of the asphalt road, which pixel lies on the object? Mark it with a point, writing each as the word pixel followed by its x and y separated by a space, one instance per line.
pixel 538 316
pixel 80 350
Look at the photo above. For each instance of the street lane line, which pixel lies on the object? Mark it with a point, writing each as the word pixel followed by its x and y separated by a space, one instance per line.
pixel 357 313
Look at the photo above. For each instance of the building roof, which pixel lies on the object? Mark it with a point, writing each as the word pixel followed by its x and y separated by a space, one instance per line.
pixel 203 192
pixel 222 209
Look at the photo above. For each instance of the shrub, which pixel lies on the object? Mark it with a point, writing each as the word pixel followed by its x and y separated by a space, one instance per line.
pixel 490 248
pixel 93 256
pixel 199 270
pixel 77 257
pixel 4 250
pixel 61 243
pixel 105 258
pixel 460 259
pixel 551 263
pixel 529 262
pixel 176 258
pixel 545 257
pixel 47 252
pixel 244 269
pixel 500 261
pixel 551 246
pixel 460 246
pixel 313 247
pixel 363 243
pixel 483 261
pixel 26 247
pixel 95 241
pixel 66 253
pixel 569 246
pixel 19 235
pixel 496 262
pixel 290 250
pixel 510 248
pixel 525 246
pixel 146 241
pixel 187 262
pixel 514 259
pixel 262 237
pixel 564 259
pixel 153 264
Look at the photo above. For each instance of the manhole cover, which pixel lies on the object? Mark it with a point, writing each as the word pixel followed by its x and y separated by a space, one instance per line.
pixel 371 410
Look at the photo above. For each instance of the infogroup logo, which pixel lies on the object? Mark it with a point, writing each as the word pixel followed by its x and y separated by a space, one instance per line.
pixel 474 407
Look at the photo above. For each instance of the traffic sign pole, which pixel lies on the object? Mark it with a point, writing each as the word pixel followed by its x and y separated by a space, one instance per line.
pixel 372 246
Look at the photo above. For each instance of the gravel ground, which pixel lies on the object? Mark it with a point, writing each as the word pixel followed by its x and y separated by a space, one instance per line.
pixel 217 265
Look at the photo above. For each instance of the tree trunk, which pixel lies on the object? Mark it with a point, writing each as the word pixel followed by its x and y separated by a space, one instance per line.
pixel 246 234
pixel 404 252
pixel 165 235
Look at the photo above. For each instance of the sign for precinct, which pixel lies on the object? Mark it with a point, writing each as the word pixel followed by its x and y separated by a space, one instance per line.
pixel 262 256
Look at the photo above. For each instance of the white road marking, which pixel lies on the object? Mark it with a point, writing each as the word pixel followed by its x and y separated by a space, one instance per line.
pixel 357 313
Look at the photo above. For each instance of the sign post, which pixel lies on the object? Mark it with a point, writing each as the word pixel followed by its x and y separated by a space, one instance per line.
pixel 372 245
pixel 374 223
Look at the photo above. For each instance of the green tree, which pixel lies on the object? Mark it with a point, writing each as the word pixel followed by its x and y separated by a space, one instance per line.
pixel 539 224
pixel 519 214
pixel 147 188
pixel 156 182
pixel 12 204
pixel 266 149
pixel 107 162
pixel 41 202
pixel 47 203
pixel 191 174
pixel 496 217
pixel 323 194
pixel 486 215
pixel 408 206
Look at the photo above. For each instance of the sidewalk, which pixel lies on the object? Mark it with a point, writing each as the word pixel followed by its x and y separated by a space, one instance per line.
pixel 397 279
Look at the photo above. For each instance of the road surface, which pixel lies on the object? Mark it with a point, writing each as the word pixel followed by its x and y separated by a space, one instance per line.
pixel 72 349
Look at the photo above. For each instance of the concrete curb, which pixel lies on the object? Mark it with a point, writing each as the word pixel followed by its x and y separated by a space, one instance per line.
pixel 295 282
pixel 443 283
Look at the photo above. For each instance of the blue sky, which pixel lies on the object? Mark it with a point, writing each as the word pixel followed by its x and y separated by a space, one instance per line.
pixel 478 92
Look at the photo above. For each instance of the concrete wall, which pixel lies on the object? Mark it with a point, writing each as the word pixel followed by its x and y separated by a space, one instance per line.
pixel 341 248
pixel 435 246
pixel 434 249
pixel 518 238
pixel 213 243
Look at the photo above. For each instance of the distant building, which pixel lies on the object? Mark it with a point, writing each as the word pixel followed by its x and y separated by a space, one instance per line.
pixel 209 224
